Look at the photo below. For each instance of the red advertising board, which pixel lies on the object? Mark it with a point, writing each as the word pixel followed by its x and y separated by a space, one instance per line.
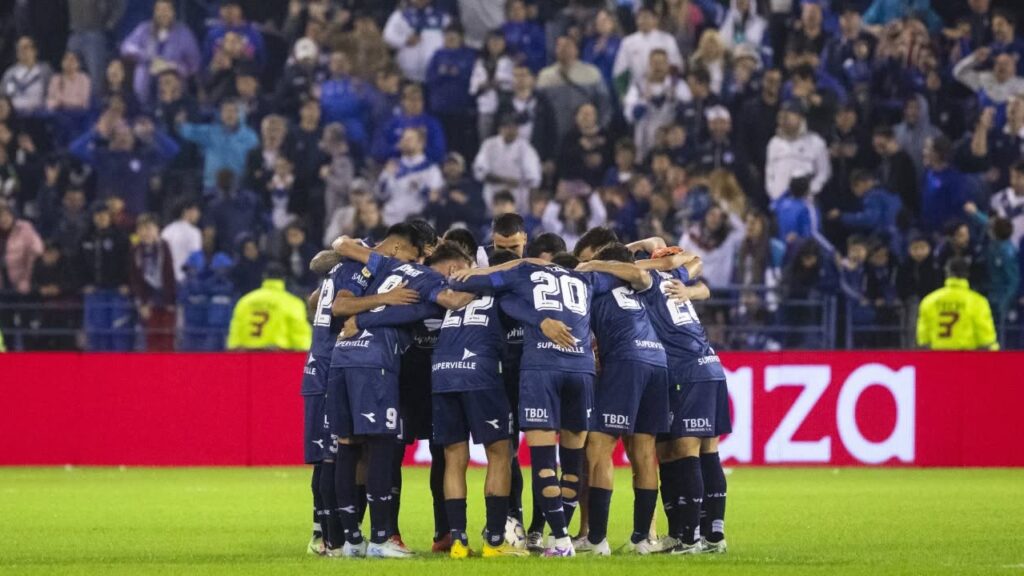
pixel 804 408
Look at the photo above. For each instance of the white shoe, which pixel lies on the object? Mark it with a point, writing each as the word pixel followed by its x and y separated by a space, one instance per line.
pixel 535 542
pixel 712 547
pixel 667 543
pixel 348 550
pixel 643 547
pixel 389 549
pixel 585 546
pixel 681 548
pixel 561 548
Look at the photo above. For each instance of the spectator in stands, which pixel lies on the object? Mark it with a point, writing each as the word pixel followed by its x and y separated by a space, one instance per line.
pixel 70 91
pixel 876 211
pixel 233 211
pixel 337 171
pixel 269 318
pixel 10 181
pixel 883 12
pixel 586 149
pixel 853 281
pixel 104 272
pixel 919 274
pixel 569 84
pixel 995 86
pixel 716 238
pixel 20 247
pixel 283 196
pixel 305 141
pixel 914 131
pixel 808 277
pixel 743 24
pixel 460 203
pixel 224 143
pixel 260 162
pixel 301 75
pixel 25 82
pixel 72 224
pixel 343 100
pixel 1003 271
pixel 534 114
pixel 493 77
pixel 958 242
pixel 955 317
pixel 602 49
pixel 153 283
pixel 386 145
pixel 91 21
pixel 364 45
pixel 369 223
pixel 250 263
pixel 406 183
pixel 55 289
pixel 793 212
pixel 158 46
pixel 712 56
pixel 1009 203
pixel 525 38
pixel 125 158
pixel 720 151
pixel 572 214
pixel 756 126
pixel 116 92
pixel 207 296
pixel 183 237
pixel 507 162
pixel 690 112
pixel 807 39
pixel 945 188
pixel 416 32
pixel 896 171
pixel 634 55
pixel 448 86
pixel 232 22
pixel 651 101
pixel 795 150
pixel 1004 37
pixel 294 252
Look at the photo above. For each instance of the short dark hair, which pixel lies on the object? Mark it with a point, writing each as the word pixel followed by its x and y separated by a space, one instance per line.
pixel 616 253
pixel 701 74
pixel 595 238
pixel 856 239
pixel 274 270
pixel 885 131
pixel 508 225
pixel 565 260
pixel 503 196
pixel 860 176
pixel 464 238
pixel 448 251
pixel 958 268
pixel 942 147
pixel 800 186
pixel 804 72
pixel 547 242
pixel 427 233
pixel 501 256
pixel 1002 228
pixel 408 232
pixel 1005 15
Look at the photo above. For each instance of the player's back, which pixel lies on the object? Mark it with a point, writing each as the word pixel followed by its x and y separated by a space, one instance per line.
pixel 269 318
pixel 621 323
pixel 350 276
pixel 559 294
pixel 955 317
pixel 690 355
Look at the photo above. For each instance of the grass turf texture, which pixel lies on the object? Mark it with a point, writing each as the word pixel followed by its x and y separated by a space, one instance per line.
pixel 256 521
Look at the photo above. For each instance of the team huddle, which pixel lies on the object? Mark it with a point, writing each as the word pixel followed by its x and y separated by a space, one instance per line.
pixel 436 339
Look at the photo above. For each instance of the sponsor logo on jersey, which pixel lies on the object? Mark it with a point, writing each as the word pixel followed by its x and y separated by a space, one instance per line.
pixel 553 346
pixel 362 342
pixel 453 365
pixel 648 344
pixel 467 354
pixel 705 360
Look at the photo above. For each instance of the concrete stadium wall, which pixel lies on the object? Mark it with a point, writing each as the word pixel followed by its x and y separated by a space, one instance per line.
pixel 805 408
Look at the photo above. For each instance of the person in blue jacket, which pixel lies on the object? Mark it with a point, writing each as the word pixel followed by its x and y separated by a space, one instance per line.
pixel 224 143
pixel 343 98
pixel 945 189
pixel 525 38
pixel 448 76
pixel 232 19
pixel 411 115
pixel 877 212
pixel 793 212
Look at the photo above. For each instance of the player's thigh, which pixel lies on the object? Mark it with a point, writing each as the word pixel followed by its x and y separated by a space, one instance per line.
pixel 653 402
pixel 488 414
pixel 450 426
pixel 616 398
pixel 539 400
pixel 373 401
pixel 317 440
pixel 339 411
pixel 577 401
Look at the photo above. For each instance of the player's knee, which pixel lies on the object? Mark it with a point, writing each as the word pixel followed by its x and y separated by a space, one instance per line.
pixel 568 493
pixel 546 473
pixel 570 478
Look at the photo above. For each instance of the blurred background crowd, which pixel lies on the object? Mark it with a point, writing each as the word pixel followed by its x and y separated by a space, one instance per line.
pixel 826 158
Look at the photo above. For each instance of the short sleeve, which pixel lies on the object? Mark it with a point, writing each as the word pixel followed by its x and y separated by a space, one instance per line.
pixel 682 274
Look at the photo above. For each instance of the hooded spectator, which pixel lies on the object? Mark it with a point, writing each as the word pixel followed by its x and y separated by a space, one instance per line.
pixel 160 45
pixel 795 150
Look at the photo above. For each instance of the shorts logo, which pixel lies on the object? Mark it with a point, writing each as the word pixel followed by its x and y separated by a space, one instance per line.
pixel 696 423
pixel 616 421
pixel 370 416
pixel 466 354
pixel 493 423
pixel 535 414
pixel 319 443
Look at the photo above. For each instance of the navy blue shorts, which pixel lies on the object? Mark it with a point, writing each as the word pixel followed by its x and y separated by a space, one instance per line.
pixel 317 442
pixel 485 413
pixel 555 400
pixel 363 402
pixel 699 409
pixel 631 398
pixel 414 388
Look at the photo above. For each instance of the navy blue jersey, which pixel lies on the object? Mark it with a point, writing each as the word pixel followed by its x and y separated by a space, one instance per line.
pixel 547 292
pixel 623 328
pixel 347 275
pixel 469 348
pixel 513 351
pixel 382 337
pixel 690 356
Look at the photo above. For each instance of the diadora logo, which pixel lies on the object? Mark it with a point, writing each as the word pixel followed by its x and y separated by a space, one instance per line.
pixel 466 354
pixel 535 414
pixel 370 416
pixel 493 423
pixel 366 334
pixel 319 443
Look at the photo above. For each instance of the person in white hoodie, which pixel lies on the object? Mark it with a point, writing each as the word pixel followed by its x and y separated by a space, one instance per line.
pixel 507 162
pixel 743 24
pixel 416 32
pixel 795 150
pixel 406 183
pixel 651 102
pixel 635 52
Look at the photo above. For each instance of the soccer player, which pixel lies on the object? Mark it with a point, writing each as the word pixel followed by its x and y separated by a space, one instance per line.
pixel 545 246
pixel 631 399
pixel 556 390
pixel 508 232
pixel 368 388
pixel 269 318
pixel 698 408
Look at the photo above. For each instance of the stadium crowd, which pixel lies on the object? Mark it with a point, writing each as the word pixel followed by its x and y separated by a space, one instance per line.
pixel 155 156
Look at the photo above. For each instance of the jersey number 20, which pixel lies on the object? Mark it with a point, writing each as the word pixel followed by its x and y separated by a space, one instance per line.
pixel 547 287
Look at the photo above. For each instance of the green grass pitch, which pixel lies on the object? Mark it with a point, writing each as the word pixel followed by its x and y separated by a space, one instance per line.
pixel 255 521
